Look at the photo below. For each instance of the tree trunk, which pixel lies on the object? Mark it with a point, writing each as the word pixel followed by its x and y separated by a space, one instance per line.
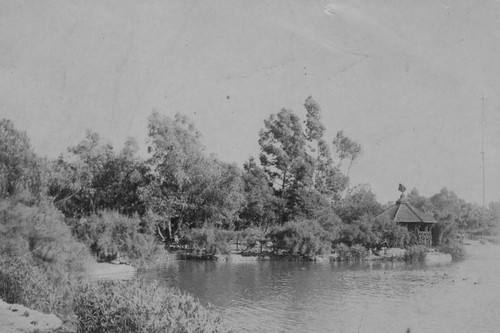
pixel 283 197
pixel 169 225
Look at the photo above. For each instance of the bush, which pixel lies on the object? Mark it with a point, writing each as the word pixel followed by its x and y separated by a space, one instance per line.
pixel 416 253
pixel 305 237
pixel 358 252
pixel 375 233
pixel 392 234
pixel 134 306
pixel 457 250
pixel 24 283
pixel 210 241
pixel 251 237
pixel 353 253
pixel 49 252
pixel 343 252
pixel 110 234
pixel 360 232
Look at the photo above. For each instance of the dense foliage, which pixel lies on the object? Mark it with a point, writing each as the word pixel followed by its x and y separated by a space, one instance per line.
pixel 416 252
pixel 22 173
pixel 209 241
pixel 454 248
pixel 21 282
pixel 111 235
pixel 295 199
pixel 51 261
pixel 118 203
pixel 91 177
pixel 302 237
pixel 135 306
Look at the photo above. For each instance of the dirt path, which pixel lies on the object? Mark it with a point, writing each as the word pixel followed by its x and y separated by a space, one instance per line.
pixel 111 271
pixel 16 318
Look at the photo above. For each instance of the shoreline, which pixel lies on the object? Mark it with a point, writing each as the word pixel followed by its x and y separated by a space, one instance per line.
pixel 16 318
pixel 391 254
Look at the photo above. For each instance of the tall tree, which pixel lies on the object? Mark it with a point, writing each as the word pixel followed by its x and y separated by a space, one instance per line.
pixel 327 178
pixel 299 162
pixel 346 149
pixel 284 157
pixel 184 187
pixel 175 165
pixel 261 207
pixel 221 195
pixel 317 146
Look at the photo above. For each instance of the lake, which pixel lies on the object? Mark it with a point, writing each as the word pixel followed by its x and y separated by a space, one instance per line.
pixel 347 297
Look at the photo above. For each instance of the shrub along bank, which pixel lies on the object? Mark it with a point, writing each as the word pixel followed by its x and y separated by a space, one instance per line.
pixel 135 306
pixel 43 267
pixel 455 249
pixel 114 236
pixel 311 240
pixel 40 261
pixel 23 283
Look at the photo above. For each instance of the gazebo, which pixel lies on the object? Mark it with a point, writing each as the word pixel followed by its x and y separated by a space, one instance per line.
pixel 416 221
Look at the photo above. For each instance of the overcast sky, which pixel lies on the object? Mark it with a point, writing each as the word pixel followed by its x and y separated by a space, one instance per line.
pixel 405 78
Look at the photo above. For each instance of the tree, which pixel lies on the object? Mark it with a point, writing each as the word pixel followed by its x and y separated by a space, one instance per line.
pixel 92 177
pixel 175 167
pixel 21 171
pixel 447 207
pixel 359 201
pixel 346 149
pixel 121 179
pixel 228 195
pixel 298 162
pixel 261 207
pixel 494 222
pixel 184 187
pixel 284 157
pixel 327 179
pixel 219 195
pixel 420 202
pixel 77 179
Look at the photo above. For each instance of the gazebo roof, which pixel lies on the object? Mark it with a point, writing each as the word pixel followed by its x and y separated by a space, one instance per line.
pixel 403 212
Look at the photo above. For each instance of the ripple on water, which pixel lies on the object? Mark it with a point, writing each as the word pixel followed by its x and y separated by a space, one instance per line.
pixel 340 297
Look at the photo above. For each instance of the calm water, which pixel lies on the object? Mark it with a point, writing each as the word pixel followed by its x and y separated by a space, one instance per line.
pixel 363 297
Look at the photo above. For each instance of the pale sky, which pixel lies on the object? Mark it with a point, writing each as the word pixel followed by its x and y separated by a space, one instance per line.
pixel 405 78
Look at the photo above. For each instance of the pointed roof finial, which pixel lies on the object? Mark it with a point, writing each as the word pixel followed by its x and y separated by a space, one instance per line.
pixel 401 189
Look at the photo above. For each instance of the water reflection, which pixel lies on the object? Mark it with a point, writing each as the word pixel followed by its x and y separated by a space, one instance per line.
pixel 347 297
